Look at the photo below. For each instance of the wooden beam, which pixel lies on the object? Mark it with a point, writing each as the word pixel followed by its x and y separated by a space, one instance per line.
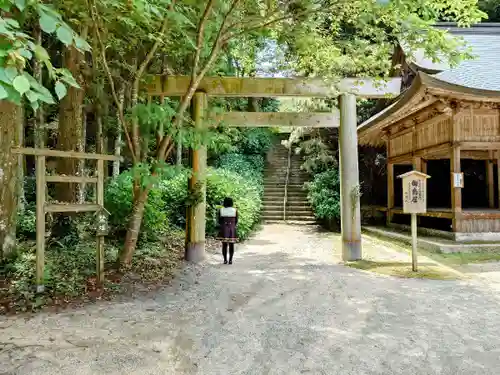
pixel 349 180
pixel 425 153
pixel 479 145
pixel 63 154
pixel 431 121
pixel 276 87
pixel 71 179
pixel 61 207
pixel 272 119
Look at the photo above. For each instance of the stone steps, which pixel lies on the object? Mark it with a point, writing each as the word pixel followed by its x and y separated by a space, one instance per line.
pixel 298 208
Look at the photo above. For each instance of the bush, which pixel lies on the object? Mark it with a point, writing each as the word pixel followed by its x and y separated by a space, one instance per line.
pixel 255 141
pixel 174 195
pixel 324 195
pixel 67 270
pixel 248 166
pixel 118 201
pixel 223 183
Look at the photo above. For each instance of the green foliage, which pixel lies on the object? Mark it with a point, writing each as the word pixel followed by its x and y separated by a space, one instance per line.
pixel 118 201
pixel 67 270
pixel 17 50
pixel 324 195
pixel 223 183
pixel 255 141
pixel 175 196
pixel 248 166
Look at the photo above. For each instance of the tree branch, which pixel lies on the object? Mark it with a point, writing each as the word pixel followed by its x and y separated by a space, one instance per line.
pixel 152 51
pixel 200 34
pixel 119 105
pixel 195 80
pixel 269 23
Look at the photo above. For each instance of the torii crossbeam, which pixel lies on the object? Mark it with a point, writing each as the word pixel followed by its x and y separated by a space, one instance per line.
pixel 346 89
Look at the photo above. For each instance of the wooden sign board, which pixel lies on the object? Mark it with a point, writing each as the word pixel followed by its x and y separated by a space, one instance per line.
pixel 414 192
pixel 458 180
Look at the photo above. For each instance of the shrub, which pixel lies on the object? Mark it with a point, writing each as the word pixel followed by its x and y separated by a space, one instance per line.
pixel 223 183
pixel 248 166
pixel 174 195
pixel 324 195
pixel 255 141
pixel 118 201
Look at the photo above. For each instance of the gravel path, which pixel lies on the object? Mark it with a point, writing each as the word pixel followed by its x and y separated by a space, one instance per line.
pixel 285 307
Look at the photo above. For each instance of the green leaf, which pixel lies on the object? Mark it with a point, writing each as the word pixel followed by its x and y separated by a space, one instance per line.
pixel 25 53
pixel 41 53
pixel 47 23
pixel 21 84
pixel 35 105
pixel 61 90
pixel 3 93
pixel 70 81
pixel 65 35
pixel 81 44
pixel 20 4
pixel 11 73
pixel 3 76
pixel 32 96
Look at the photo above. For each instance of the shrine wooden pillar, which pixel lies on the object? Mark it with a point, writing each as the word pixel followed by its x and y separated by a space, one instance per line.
pixel 196 212
pixel 349 179
pixel 490 180
pixel 390 192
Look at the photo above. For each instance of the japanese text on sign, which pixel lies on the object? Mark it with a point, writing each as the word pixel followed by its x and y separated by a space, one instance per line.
pixel 414 196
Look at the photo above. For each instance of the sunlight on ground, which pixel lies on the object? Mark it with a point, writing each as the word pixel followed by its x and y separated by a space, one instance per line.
pixel 402 269
pixel 483 256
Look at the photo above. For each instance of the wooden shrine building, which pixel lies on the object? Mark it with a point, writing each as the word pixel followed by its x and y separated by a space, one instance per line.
pixel 446 123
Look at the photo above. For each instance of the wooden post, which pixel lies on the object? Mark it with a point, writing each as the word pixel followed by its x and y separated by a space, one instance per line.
pixel 196 214
pixel 414 266
pixel 498 177
pixel 456 192
pixel 417 166
pixel 491 183
pixel 40 223
pixel 424 166
pixel 100 238
pixel 349 179
pixel 390 192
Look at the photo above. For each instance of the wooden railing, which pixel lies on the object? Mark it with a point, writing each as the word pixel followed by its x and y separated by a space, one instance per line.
pixel 43 207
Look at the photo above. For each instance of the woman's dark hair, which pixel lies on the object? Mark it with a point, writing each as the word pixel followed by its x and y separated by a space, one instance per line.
pixel 228 202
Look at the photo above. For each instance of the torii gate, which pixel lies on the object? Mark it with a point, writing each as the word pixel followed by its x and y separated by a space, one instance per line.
pixel 281 87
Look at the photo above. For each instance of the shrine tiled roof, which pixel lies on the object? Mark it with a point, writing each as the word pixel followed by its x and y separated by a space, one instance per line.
pixel 482 72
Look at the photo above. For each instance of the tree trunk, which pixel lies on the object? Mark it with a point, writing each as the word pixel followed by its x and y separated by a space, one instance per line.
pixel 10 117
pixel 134 228
pixel 20 161
pixel 39 115
pixel 81 163
pixel 118 139
pixel 70 126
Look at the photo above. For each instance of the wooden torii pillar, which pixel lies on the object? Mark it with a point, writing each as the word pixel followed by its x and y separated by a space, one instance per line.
pixel 282 87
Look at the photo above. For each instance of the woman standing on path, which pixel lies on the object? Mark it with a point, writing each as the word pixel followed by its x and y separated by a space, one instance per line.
pixel 228 220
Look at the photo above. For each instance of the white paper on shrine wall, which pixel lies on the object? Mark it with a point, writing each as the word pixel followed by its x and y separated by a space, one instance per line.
pixel 414 195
